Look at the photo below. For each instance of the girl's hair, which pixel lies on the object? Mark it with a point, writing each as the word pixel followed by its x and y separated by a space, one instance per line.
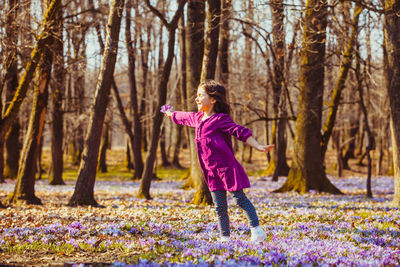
pixel 218 92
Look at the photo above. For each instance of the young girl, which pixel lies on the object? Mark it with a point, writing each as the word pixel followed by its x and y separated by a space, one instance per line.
pixel 221 170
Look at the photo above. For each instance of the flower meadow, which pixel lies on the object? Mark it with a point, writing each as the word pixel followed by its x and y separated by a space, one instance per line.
pixel 303 230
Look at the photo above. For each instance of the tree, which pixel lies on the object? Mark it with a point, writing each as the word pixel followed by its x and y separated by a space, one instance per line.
pixel 307 170
pixel 277 166
pixel 24 190
pixel 392 46
pixel 180 94
pixel 43 41
pixel 144 189
pixel 211 40
pixel 136 141
pixel 223 50
pixel 84 188
pixel 12 143
pixel 203 195
pixel 340 85
pixel 57 94
pixel 194 58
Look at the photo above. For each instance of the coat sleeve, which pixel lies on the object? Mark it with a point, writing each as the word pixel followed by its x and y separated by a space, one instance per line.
pixel 228 126
pixel 184 118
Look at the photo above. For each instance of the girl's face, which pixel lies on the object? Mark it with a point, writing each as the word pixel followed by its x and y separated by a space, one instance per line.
pixel 204 101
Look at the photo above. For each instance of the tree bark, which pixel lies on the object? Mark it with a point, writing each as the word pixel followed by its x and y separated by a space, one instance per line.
pixel 137 125
pixel 24 190
pixel 392 45
pixel 181 94
pixel 307 170
pixel 25 187
pixel 211 40
pixel 223 50
pixel 370 138
pixel 57 94
pixel 102 164
pixel 79 94
pixel 42 42
pixel 203 195
pixel 278 164
pixel 84 189
pixel 2 180
pixel 12 143
pixel 144 189
pixel 125 121
pixel 340 85
pixel 194 58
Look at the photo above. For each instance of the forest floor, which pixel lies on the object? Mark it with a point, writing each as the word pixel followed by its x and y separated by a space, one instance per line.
pixel 310 229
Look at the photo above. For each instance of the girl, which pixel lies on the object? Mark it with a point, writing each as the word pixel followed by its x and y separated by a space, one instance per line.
pixel 221 170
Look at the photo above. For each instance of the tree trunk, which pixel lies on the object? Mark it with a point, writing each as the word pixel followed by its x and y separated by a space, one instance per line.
pixel 144 55
pixel 57 94
pixel 13 148
pixel 79 96
pixel 102 164
pixel 350 140
pixel 203 195
pixel 194 59
pixel 340 85
pixel 84 189
pixel 392 45
pixel 12 143
pixel 1 162
pixel 223 51
pixel 137 125
pixel 42 42
pixel 211 40
pixel 39 169
pixel 370 138
pixel 278 164
pixel 127 124
pixel 25 187
pixel 144 189
pixel 307 171
pixel 129 164
pixel 180 95
pixel 339 158
pixel 164 157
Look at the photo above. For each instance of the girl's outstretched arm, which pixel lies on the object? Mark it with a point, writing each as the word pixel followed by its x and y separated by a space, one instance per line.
pixel 253 142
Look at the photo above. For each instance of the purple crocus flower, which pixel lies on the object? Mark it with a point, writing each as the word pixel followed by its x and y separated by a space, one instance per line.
pixel 167 107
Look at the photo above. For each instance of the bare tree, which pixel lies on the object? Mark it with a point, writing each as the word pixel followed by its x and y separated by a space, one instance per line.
pixel 136 141
pixel 194 58
pixel 392 45
pixel 307 171
pixel 25 187
pixel 57 94
pixel 144 189
pixel 12 143
pixel 277 166
pixel 223 50
pixel 36 55
pixel 203 195
pixel 340 85
pixel 84 189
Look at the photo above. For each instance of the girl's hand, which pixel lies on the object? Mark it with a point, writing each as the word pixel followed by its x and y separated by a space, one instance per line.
pixel 168 113
pixel 265 148
pixel 167 110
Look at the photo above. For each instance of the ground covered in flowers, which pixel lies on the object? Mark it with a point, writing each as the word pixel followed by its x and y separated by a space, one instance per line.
pixel 312 229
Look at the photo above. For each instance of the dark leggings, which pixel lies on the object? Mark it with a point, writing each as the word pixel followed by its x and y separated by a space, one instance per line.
pixel 221 207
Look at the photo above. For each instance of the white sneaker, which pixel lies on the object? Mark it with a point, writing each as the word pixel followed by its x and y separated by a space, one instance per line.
pixel 224 239
pixel 258 234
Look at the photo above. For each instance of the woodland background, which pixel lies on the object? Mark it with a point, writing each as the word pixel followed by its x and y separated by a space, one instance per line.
pixel 82 77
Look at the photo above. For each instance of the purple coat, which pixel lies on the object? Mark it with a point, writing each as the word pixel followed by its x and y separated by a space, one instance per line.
pixel 217 160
